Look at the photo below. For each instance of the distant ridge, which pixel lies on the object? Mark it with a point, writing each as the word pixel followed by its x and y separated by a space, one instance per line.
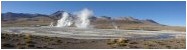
pixel 15 16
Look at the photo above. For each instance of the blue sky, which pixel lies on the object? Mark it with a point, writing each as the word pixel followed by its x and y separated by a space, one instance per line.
pixel 165 12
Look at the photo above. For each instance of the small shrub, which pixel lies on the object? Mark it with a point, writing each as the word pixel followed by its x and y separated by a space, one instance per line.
pixel 31 45
pixel 8 45
pixel 118 42
pixel 133 43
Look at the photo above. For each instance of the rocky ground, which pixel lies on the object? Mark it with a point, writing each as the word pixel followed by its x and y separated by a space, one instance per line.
pixel 24 41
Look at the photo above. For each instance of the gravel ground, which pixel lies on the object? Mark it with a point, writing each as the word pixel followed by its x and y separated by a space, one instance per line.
pixel 27 41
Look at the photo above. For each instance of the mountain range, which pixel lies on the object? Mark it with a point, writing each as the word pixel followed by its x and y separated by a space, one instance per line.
pixel 10 19
pixel 9 16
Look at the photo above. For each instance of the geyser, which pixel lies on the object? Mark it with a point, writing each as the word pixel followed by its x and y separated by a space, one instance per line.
pixel 114 24
pixel 51 24
pixel 83 18
pixel 66 20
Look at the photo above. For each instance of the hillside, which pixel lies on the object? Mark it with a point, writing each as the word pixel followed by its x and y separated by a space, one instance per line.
pixel 102 22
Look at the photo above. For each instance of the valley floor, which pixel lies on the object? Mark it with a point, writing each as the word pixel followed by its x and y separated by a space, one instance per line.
pixel 22 41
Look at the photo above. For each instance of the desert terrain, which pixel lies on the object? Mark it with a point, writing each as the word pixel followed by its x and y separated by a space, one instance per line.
pixel 26 41
pixel 13 40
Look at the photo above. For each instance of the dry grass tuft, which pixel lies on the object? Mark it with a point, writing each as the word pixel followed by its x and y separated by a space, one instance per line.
pixel 118 42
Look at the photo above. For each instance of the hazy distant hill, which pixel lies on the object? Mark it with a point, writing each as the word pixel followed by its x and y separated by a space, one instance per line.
pixel 15 16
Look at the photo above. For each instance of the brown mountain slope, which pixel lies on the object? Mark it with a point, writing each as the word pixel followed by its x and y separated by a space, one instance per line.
pixel 102 22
